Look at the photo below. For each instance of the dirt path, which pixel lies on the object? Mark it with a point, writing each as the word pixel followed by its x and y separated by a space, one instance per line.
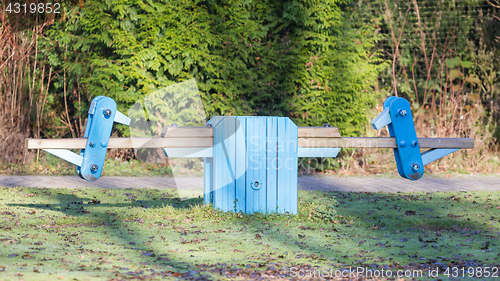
pixel 325 183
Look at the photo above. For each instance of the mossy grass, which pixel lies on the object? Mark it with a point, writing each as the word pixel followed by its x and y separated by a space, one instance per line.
pixel 92 234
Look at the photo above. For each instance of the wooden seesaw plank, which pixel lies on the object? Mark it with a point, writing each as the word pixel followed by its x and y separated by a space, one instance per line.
pixel 385 142
pixel 201 132
pixel 172 142
pixel 187 132
pixel 156 142
pixel 319 132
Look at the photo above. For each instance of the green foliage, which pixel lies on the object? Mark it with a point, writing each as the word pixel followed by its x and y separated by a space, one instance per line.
pixel 295 58
pixel 435 46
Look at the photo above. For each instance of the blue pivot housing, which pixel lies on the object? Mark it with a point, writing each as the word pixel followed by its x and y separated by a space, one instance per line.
pixel 398 118
pixel 102 115
pixel 97 132
pixel 407 153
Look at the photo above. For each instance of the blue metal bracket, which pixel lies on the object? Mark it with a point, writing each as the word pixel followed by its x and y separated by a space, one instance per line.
pixel 436 153
pixel 102 115
pixel 401 127
pixel 399 120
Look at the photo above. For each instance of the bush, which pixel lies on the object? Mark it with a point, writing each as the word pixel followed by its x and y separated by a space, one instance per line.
pixel 295 58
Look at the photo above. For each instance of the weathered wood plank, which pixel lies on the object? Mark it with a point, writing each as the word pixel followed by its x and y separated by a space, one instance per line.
pixel 187 132
pixel 121 143
pixel 159 142
pixel 304 132
pixel 384 142
pixel 319 132
pixel 446 142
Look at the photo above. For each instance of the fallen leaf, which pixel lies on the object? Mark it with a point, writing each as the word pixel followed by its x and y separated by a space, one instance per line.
pixel 9 242
pixel 410 213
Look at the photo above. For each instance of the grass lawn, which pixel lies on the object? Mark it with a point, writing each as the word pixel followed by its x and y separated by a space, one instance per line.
pixel 92 234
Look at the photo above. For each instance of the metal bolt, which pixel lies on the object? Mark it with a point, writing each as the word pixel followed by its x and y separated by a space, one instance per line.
pixel 402 143
pixel 326 125
pixel 91 144
pixel 208 125
pixel 402 112
pixel 104 144
pixel 415 167
pixel 93 167
pixel 107 112
pixel 256 184
pixel 414 143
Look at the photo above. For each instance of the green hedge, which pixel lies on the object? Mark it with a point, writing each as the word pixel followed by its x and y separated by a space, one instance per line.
pixel 301 59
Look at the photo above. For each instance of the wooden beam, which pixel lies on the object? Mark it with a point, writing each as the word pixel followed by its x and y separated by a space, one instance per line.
pixel 187 132
pixel 384 142
pixel 159 142
pixel 319 132
pixel 202 132
pixel 120 143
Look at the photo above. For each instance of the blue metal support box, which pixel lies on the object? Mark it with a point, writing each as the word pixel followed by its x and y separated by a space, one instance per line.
pixel 254 165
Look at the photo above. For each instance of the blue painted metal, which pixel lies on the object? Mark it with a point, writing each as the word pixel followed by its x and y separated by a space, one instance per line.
pixel 209 172
pixel 254 164
pixel 241 166
pixel 271 150
pixel 407 153
pixel 102 115
pixel 436 153
pixel 208 180
pixel 224 166
pixel 67 155
pixel 97 131
pixel 287 166
pixel 398 118
pixel 382 120
pixel 121 118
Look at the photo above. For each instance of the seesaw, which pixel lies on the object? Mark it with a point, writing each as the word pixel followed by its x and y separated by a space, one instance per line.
pixel 251 162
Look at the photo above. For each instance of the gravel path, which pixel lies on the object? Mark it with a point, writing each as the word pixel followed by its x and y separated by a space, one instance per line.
pixel 324 183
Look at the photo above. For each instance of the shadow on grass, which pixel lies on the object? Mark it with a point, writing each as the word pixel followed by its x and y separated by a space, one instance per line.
pixel 370 230
pixel 93 209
